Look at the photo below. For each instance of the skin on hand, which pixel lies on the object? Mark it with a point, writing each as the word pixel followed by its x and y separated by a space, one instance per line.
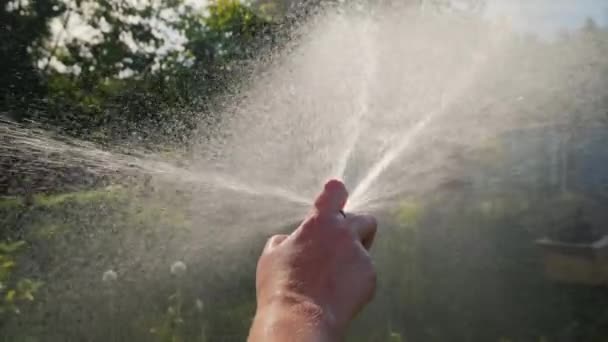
pixel 311 284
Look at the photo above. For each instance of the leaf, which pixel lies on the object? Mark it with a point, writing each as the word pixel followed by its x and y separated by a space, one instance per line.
pixel 8 264
pixel 7 247
pixel 10 295
pixel 28 296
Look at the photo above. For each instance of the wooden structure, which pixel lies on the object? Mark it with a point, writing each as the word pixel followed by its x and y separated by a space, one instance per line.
pixel 576 263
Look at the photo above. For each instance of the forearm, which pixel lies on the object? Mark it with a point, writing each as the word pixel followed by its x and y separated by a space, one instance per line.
pixel 292 321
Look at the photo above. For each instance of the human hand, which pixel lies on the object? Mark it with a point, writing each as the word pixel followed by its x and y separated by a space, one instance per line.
pixel 310 284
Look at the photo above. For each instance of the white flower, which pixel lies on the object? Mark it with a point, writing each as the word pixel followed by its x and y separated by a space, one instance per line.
pixel 109 276
pixel 178 268
pixel 199 305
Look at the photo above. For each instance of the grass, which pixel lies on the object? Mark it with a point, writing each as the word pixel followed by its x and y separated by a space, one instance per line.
pixel 54 200
pixel 11 203
pixel 109 193
pixel 477 258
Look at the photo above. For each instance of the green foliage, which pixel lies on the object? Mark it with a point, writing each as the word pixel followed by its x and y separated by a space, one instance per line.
pixel 227 32
pixel 10 203
pixel 409 213
pixel 80 197
pixel 25 25
pixel 451 268
pixel 14 291
pixel 144 67
pixel 441 265
pixel 179 317
pixel 462 273
pixel 171 328
pixel 395 337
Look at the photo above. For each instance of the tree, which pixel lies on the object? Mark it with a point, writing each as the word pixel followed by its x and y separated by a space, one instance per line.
pixel 145 63
pixel 24 25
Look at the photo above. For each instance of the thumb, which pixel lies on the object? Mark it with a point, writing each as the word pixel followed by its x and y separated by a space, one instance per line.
pixel 333 197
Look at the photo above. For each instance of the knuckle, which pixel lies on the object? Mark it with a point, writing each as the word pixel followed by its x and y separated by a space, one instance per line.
pixel 347 235
pixel 272 242
pixel 275 238
pixel 373 223
pixel 325 223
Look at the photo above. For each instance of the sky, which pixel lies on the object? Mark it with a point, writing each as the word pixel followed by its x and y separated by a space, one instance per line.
pixel 547 17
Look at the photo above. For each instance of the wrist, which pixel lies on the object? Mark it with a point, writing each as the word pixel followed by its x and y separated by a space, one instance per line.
pixel 295 318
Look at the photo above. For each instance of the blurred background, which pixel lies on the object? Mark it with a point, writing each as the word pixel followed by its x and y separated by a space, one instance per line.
pixel 506 245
